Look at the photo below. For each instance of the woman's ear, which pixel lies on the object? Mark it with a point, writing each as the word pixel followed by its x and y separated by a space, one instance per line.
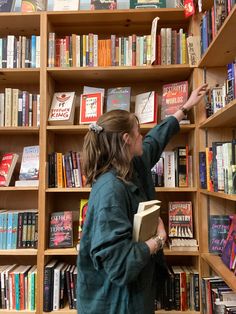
pixel 126 138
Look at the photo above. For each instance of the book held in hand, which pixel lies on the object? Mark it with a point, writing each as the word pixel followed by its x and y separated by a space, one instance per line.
pixel 7 166
pixel 146 221
pixel 61 230
pixel 62 110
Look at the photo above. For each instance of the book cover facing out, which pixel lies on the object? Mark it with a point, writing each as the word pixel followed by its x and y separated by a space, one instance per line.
pixel 136 4
pixel 103 4
pixel 61 230
pixel 174 96
pixel 180 219
pixel 118 98
pixel 29 169
pixel 218 231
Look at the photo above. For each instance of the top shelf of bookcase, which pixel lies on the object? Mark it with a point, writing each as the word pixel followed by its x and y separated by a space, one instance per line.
pixel 222 49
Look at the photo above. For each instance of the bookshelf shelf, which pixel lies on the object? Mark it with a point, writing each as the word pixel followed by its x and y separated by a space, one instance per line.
pixel 176 189
pixel 66 190
pixel 217 265
pixel 117 18
pixel 223 44
pixel 19 130
pixel 66 310
pixel 123 74
pixel 62 251
pixel 19 23
pixel 231 197
pixel 225 117
pixel 25 251
pixel 169 252
pixel 20 76
pixel 14 312
pixel 14 188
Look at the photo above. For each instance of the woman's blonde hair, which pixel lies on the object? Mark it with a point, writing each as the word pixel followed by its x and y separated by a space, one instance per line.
pixel 105 148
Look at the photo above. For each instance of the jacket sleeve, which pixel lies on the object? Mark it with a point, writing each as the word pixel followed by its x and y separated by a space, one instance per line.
pixel 112 248
pixel 156 140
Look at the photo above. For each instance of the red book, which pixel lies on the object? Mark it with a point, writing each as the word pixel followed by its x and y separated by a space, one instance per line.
pixel 7 166
pixel 174 96
pixel 91 108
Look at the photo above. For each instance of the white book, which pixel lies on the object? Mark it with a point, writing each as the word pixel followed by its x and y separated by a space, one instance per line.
pixel 8 106
pixel 26 183
pixel 15 95
pixel 66 5
pixel 146 205
pixel 169 169
pixel 56 286
pixel 145 107
pixel 29 169
pixel 10 51
pixel 62 109
pixel 153 39
pixel 37 63
pixel 145 223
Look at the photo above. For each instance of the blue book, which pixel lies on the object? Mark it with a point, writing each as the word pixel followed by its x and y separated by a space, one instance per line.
pixel 33 51
pixel 14 230
pixel 9 230
pixel 7 5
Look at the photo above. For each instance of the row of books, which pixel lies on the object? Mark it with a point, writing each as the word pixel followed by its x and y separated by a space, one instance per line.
pixel 70 5
pixel 19 108
pixel 90 51
pixel 18 287
pixel 62 108
pixel 181 290
pixel 174 169
pixel 60 280
pixel 217 167
pixel 20 52
pixel 212 21
pixel 64 170
pixel 219 96
pixel 18 229
pixel 217 297
pixel 29 168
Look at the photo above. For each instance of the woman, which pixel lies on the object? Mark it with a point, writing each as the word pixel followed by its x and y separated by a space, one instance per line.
pixel 115 274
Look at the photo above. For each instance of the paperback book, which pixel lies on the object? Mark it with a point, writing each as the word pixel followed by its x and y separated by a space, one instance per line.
pixel 91 108
pixel 103 4
pixel 61 230
pixel 33 5
pixel 29 169
pixel 146 221
pixel 7 166
pixel 180 219
pixel 10 5
pixel 65 5
pixel 62 109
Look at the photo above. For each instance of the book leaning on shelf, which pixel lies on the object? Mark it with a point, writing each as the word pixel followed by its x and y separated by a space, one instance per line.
pixel 62 110
pixel 146 220
pixel 29 169
pixel 7 166
pixel 61 230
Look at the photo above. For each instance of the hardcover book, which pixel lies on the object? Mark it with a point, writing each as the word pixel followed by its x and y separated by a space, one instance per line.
pixel 7 166
pixel 218 231
pixel 62 109
pixel 118 98
pixel 61 230
pixel 229 251
pixel 146 107
pixel 29 169
pixel 180 219
pixel 103 4
pixel 33 5
pixel 174 96
pixel 91 108
pixel 145 222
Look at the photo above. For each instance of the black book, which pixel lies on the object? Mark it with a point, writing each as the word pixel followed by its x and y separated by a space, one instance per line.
pixel 48 286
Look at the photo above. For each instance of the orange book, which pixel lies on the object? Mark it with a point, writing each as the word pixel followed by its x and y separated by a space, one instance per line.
pixel 59 170
pixel 209 158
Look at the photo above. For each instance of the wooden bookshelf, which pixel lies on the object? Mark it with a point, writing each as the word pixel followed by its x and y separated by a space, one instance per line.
pixel 223 44
pixel 47 80
pixel 225 117
pixel 221 270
